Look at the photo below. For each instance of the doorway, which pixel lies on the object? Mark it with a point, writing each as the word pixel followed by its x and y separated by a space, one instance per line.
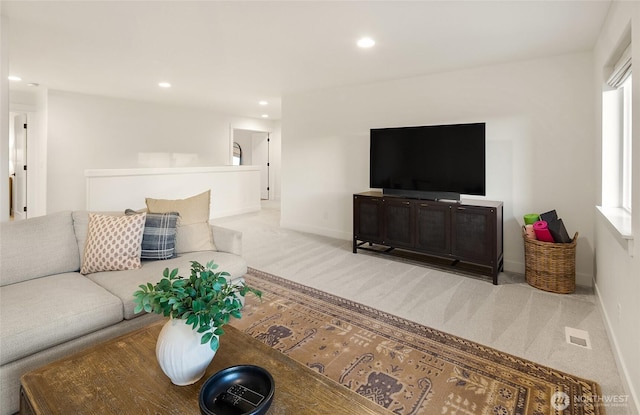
pixel 17 165
pixel 254 150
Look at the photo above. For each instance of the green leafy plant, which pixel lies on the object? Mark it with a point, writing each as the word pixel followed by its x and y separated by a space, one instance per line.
pixel 206 300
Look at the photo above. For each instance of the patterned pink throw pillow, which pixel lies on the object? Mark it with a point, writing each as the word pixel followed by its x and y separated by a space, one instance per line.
pixel 113 243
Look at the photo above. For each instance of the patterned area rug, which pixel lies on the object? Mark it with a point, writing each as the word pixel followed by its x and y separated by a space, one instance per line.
pixel 404 366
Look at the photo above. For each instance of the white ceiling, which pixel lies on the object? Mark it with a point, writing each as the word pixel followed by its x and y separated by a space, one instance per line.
pixel 228 55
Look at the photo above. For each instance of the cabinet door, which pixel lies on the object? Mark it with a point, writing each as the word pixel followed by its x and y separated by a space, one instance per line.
pixel 367 218
pixel 433 234
pixel 399 223
pixel 473 234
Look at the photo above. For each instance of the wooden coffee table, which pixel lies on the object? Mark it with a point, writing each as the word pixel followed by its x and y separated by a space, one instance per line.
pixel 122 376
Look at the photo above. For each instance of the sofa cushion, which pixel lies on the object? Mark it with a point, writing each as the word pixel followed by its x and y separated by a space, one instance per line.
pixel 193 232
pixel 51 237
pixel 43 312
pixel 113 243
pixel 159 237
pixel 81 227
pixel 124 283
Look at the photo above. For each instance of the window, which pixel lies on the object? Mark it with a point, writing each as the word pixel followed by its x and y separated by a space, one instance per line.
pixel 626 144
pixel 237 154
pixel 616 136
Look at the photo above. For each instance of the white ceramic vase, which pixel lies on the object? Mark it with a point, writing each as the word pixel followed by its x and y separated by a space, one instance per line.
pixel 180 354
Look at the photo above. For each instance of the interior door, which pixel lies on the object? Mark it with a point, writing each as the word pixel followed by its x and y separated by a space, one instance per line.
pixel 20 163
pixel 260 157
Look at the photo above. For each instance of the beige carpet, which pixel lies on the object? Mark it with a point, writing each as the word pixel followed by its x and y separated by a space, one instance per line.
pixel 404 366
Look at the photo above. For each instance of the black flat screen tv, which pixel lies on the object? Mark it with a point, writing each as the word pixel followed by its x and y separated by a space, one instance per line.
pixel 429 162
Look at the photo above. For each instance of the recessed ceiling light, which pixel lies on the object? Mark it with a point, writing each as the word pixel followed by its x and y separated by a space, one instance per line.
pixel 265 115
pixel 14 78
pixel 263 103
pixel 366 42
pixel 164 85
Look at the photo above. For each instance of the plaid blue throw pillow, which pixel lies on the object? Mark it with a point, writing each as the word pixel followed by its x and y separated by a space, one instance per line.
pixel 159 237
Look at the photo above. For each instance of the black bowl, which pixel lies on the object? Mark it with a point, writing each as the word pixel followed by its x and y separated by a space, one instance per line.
pixel 237 390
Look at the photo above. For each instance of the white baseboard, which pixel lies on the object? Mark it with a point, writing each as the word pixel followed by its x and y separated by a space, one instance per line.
pixel 509 266
pixel 331 233
pixel 518 268
pixel 237 211
pixel 634 403
pixel 514 266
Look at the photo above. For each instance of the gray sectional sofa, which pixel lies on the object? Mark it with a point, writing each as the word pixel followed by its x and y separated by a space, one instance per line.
pixel 49 310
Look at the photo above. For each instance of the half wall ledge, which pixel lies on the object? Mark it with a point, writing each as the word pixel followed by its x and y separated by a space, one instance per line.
pixel 234 189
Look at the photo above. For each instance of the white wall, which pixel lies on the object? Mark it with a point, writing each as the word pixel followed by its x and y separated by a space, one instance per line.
pixel 4 116
pixel 275 160
pixel 617 272
pixel 37 157
pixel 92 132
pixel 540 134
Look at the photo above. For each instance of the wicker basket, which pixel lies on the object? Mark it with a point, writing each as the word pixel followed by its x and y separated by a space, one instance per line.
pixel 550 266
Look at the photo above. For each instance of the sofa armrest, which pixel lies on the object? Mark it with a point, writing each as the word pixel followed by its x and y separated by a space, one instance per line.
pixel 227 240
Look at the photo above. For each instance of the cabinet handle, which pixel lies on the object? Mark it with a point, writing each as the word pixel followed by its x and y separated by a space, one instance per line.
pixel 461 208
pixel 407 203
pixel 424 205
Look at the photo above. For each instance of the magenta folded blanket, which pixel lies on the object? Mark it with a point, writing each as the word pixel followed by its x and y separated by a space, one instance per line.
pixel 542 231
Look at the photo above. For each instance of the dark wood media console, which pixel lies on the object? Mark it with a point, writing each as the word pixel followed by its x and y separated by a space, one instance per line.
pixel 465 236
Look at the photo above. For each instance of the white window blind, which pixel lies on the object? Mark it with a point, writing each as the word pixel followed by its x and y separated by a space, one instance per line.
pixel 621 70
